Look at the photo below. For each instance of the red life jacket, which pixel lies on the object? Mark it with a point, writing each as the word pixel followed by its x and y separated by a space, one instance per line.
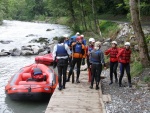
pixel 125 56
pixel 36 74
pixel 113 54
pixel 89 49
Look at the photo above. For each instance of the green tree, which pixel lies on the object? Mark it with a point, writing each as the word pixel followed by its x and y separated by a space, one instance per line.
pixel 143 50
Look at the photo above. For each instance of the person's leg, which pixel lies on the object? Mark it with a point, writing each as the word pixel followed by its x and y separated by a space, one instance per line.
pixel 128 74
pixel 93 69
pixel 89 70
pixel 115 71
pixel 59 76
pixel 98 73
pixel 121 73
pixel 71 69
pixel 111 72
pixel 64 75
pixel 78 69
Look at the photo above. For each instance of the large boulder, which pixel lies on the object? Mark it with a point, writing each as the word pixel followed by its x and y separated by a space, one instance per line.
pixel 6 51
pixel 3 54
pixel 35 50
pixel 43 53
pixel 27 52
pixel 49 29
pixel 5 42
pixel 40 40
pixel 26 48
pixel 15 52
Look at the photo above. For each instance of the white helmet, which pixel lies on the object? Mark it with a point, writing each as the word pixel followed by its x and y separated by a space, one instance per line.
pixel 66 35
pixel 91 40
pixel 127 44
pixel 114 42
pixel 82 35
pixel 77 33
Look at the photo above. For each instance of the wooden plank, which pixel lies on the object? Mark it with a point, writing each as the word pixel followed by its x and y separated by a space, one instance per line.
pixel 76 98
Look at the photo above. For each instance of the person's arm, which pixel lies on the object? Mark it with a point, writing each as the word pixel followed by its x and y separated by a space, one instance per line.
pixel 68 49
pixel 84 48
pixel 107 51
pixel 54 52
pixel 119 53
pixel 102 58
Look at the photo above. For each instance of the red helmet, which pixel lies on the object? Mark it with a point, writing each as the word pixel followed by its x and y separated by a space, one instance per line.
pixel 79 38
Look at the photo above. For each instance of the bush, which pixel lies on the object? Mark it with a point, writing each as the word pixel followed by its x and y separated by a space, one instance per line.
pixel 146 79
pixel 108 28
pixel 136 68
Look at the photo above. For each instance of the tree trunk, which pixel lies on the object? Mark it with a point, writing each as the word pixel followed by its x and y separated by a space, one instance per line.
pixel 94 15
pixel 82 20
pixel 71 9
pixel 143 50
pixel 83 11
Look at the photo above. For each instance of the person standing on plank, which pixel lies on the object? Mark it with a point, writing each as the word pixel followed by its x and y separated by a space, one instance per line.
pixel 89 48
pixel 61 52
pixel 97 61
pixel 79 54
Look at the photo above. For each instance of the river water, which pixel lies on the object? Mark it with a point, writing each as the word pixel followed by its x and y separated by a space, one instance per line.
pixel 9 65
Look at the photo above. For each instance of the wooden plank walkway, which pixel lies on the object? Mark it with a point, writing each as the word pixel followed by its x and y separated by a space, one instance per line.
pixel 77 98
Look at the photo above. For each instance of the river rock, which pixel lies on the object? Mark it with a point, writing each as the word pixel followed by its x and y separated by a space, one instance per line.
pixel 6 51
pixel 5 42
pixel 35 50
pixel 26 52
pixel 30 35
pixel 43 53
pixel 3 54
pixel 26 48
pixel 15 52
pixel 40 40
pixel 49 29
pixel 48 49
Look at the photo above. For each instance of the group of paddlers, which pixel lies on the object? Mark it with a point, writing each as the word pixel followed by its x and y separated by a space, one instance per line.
pixel 74 51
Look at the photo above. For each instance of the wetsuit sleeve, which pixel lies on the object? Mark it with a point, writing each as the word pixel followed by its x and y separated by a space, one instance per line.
pixel 102 58
pixel 54 52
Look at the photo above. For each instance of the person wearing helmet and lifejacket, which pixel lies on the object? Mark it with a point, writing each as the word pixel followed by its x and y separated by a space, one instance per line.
pixel 112 52
pixel 61 52
pixel 97 61
pixel 124 59
pixel 89 48
pixel 73 38
pixel 78 53
pixel 83 40
pixel 67 41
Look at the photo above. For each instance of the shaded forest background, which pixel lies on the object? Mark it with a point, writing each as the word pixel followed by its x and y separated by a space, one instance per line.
pixel 80 14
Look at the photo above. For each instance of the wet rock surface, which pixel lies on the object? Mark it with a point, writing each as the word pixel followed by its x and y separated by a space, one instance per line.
pixel 125 99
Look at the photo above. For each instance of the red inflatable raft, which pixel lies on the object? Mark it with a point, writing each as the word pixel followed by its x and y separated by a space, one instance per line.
pixel 45 59
pixel 34 82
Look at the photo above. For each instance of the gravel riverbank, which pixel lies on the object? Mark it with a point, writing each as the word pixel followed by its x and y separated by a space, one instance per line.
pixel 125 99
